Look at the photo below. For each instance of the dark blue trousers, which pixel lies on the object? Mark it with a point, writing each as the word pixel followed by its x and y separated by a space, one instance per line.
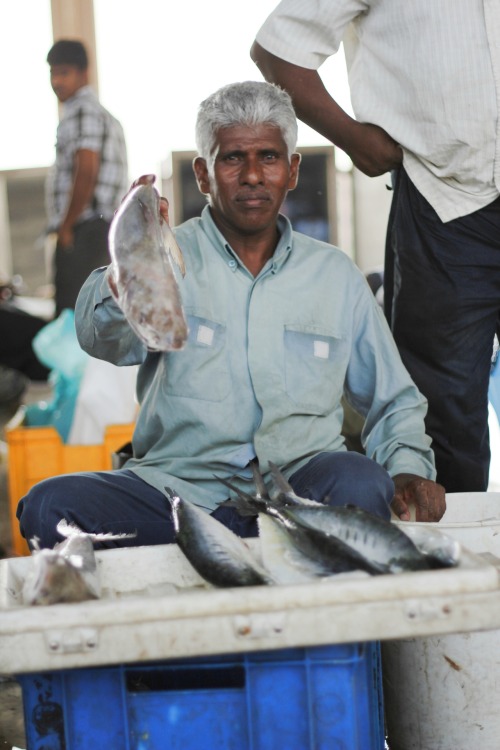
pixel 442 299
pixel 118 501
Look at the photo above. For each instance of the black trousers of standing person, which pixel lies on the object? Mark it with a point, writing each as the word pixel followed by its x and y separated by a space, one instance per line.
pixel 73 265
pixel 442 299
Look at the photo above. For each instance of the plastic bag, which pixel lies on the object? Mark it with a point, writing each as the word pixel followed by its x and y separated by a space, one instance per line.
pixel 57 347
pixel 106 396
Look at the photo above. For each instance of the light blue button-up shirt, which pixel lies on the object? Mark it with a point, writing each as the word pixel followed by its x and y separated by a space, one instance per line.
pixel 265 367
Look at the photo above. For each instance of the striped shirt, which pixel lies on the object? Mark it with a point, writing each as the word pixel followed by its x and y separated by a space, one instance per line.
pixel 427 71
pixel 86 124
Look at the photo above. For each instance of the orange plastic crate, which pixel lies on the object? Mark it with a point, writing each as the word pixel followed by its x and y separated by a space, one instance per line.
pixel 36 453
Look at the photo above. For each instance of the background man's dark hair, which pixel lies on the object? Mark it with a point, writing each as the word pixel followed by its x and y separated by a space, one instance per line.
pixel 68 52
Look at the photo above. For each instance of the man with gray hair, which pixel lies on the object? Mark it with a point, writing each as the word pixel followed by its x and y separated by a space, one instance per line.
pixel 281 326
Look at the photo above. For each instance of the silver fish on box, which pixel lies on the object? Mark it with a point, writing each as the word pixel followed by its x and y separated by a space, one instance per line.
pixel 387 548
pixel 219 556
pixel 283 559
pixel 343 538
pixel 141 248
pixel 332 554
pixel 442 550
pixel 68 572
pixel 391 547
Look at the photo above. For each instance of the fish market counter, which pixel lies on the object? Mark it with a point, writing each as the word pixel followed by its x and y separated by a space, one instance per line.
pixel 154 606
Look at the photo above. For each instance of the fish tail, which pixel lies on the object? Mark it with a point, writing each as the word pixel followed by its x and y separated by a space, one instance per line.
pixel 258 479
pixel 246 504
pixel 278 479
pixel 68 530
pixel 171 495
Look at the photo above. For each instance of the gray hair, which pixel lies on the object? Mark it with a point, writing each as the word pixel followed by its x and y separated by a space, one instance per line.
pixel 248 103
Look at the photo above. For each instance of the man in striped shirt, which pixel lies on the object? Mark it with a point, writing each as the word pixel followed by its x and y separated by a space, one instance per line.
pixel 424 78
pixel 89 177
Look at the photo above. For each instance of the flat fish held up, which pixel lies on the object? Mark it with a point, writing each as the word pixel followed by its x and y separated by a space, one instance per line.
pixel 141 248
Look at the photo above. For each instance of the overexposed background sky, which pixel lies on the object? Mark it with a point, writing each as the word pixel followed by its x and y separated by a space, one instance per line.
pixel 156 61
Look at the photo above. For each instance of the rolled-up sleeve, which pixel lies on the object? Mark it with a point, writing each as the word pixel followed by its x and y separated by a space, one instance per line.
pixel 305 33
pixel 379 387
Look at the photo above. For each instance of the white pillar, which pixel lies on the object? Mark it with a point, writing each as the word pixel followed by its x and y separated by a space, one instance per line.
pixel 5 244
pixel 75 20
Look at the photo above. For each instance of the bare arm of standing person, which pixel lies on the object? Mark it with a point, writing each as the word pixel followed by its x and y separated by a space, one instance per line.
pixel 371 149
pixel 86 171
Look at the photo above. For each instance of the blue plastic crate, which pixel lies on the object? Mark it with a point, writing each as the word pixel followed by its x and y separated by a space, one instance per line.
pixel 322 698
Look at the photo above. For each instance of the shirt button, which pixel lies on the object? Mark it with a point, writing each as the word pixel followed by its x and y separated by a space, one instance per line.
pixel 232 264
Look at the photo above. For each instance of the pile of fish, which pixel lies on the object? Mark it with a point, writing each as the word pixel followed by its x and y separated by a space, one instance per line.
pixel 301 539
pixel 141 247
pixel 68 572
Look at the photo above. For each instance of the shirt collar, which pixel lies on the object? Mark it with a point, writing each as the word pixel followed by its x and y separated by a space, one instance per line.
pixel 85 92
pixel 280 256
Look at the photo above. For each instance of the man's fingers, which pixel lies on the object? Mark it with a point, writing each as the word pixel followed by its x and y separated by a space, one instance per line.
pixel 164 209
pixel 400 508
pixel 429 499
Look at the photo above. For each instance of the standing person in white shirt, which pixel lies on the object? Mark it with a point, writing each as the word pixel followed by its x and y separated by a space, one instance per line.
pixel 89 177
pixel 425 88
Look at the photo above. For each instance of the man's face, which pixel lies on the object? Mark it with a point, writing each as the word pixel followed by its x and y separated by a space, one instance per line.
pixel 66 80
pixel 251 177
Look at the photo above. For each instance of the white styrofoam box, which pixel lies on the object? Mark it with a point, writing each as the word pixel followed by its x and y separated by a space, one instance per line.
pixel 155 606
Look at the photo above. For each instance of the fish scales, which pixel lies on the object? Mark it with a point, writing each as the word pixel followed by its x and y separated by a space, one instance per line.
pixel 141 250
pixel 385 545
pixel 216 553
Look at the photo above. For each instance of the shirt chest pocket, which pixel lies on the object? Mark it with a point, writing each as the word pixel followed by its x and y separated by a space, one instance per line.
pixel 200 370
pixel 315 368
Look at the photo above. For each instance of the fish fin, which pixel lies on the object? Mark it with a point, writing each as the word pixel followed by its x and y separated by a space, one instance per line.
pixel 174 249
pixel 259 480
pixel 68 530
pixel 278 478
pixel 35 543
pixel 108 536
pixel 246 504
pixel 241 493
